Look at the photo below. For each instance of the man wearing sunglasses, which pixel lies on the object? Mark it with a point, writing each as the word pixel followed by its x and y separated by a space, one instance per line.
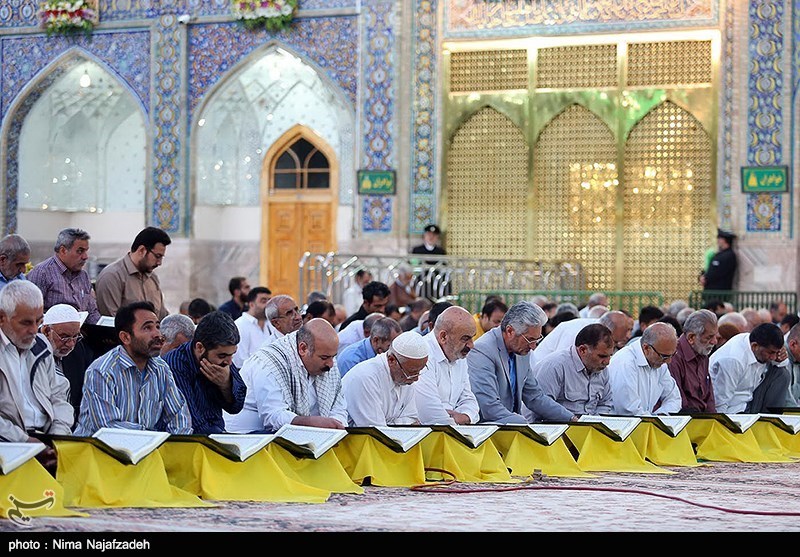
pixel 640 379
pixel 500 374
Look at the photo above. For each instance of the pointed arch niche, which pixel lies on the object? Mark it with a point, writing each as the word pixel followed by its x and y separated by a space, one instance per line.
pixel 251 112
pixel 80 156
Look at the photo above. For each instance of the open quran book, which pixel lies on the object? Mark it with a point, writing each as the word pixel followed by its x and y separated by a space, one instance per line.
pixel 671 425
pixel 737 423
pixel 234 446
pixel 545 434
pixel 307 441
pixel 14 455
pixel 471 435
pixel 397 438
pixel 790 423
pixel 129 446
pixel 618 428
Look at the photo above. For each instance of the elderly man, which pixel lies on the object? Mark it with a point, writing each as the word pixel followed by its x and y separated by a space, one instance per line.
pixel 131 279
pixel 689 366
pixel 357 330
pixel 596 299
pixel 640 378
pixel 443 393
pixel 130 386
pixel 375 297
pixel 204 372
pixel 62 277
pixel 500 374
pixel 563 336
pixel 254 327
pixel 176 329
pixel 62 329
pixel 381 334
pixel 34 397
pixel 15 255
pixel 293 380
pixel 283 314
pixel 577 378
pixel 379 391
pixel 743 379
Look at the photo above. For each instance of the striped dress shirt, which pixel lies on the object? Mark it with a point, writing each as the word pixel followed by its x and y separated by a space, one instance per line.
pixel 59 285
pixel 117 394
pixel 204 398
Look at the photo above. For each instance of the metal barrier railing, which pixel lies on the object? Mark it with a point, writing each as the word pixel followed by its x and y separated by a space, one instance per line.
pixel 332 273
pixel 630 301
pixel 741 299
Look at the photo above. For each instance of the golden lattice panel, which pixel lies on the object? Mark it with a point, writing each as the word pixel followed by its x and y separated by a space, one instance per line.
pixel 577 66
pixel 667 202
pixel 488 70
pixel 575 173
pixel 487 188
pixel 669 63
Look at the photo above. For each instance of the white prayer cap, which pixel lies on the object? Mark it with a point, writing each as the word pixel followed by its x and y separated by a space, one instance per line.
pixel 410 345
pixel 64 313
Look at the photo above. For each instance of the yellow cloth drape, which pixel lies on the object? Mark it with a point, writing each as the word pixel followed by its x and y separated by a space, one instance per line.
pixel 92 478
pixel 30 491
pixel 523 455
pixel 599 453
pixel 202 471
pixel 774 440
pixel 715 442
pixel 325 472
pixel 659 448
pixel 367 460
pixel 444 452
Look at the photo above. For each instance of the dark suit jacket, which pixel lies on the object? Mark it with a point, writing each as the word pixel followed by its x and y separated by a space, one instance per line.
pixel 490 381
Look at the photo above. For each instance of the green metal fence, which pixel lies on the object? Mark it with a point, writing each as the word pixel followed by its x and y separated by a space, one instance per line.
pixel 742 299
pixel 630 301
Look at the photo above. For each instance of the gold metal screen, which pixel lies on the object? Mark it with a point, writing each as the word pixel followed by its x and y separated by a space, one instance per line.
pixel 575 194
pixel 487 179
pixel 669 63
pixel 489 70
pixel 577 66
pixel 667 194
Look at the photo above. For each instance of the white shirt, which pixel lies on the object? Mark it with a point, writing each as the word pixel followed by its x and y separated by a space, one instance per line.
pixel 560 338
pixel 637 387
pixel 352 299
pixel 735 374
pixel 374 399
pixel 351 334
pixel 32 412
pixel 443 386
pixel 251 337
pixel 264 405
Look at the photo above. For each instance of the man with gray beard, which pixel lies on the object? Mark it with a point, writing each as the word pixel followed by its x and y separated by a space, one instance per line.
pixel 689 365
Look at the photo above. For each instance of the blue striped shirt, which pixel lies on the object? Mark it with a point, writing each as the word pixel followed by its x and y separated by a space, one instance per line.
pixel 205 399
pixel 117 394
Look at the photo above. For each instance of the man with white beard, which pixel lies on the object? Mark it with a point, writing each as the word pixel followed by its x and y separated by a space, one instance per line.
pixel 689 365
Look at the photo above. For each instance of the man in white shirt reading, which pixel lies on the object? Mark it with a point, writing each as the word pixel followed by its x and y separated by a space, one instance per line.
pixel 293 380
pixel 379 391
pixel 443 393
pixel 640 379
pixel 741 374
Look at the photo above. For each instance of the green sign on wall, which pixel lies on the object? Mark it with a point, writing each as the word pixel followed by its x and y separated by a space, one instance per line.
pixel 376 182
pixel 765 179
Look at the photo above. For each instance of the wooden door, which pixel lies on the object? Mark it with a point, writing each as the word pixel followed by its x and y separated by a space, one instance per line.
pixel 294 228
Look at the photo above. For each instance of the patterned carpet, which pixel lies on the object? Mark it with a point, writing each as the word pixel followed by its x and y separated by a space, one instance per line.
pixel 760 498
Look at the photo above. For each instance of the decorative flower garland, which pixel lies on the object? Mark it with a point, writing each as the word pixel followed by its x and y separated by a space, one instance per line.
pixel 274 15
pixel 62 17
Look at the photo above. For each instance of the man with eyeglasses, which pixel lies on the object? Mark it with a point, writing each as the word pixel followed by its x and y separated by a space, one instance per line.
pixel 689 367
pixel 283 315
pixel 500 374
pixel 380 391
pixel 131 279
pixel 294 380
pixel 62 329
pixel 640 379
pixel 744 379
